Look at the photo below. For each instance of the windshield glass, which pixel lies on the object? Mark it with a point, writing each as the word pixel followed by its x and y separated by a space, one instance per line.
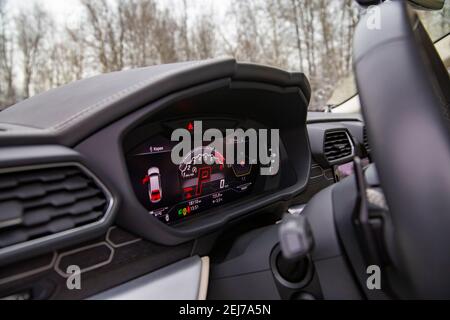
pixel 48 43
pixel 437 24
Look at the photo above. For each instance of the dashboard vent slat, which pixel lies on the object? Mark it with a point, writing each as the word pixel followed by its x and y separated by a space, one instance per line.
pixel 48 213
pixel 35 203
pixel 62 198
pixel 337 146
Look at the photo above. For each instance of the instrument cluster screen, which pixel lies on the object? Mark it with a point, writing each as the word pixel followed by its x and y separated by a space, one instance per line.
pixel 202 181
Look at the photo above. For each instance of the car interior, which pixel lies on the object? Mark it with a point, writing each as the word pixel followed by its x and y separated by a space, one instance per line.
pixel 86 179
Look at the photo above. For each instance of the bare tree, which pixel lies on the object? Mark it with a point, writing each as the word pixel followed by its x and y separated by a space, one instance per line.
pixel 32 28
pixel 273 10
pixel 313 36
pixel 185 31
pixel 138 22
pixel 296 23
pixel 65 64
pixel 166 42
pixel 7 89
pixel 205 37
pixel 106 34
pixel 131 33
pixel 75 54
pixel 249 42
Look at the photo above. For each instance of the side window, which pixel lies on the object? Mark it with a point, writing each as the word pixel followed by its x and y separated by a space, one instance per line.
pixel 437 24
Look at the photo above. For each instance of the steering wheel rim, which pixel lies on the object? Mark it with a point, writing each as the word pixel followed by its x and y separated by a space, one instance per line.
pixel 404 91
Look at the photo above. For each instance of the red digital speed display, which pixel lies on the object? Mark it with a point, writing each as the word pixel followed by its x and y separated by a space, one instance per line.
pixel 202 181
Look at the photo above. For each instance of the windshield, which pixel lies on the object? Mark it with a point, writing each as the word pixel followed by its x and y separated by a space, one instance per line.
pixel 437 24
pixel 48 43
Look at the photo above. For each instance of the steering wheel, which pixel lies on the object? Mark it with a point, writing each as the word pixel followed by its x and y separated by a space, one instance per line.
pixel 404 90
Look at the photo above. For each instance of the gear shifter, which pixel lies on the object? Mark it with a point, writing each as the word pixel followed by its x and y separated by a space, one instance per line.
pixel 296 241
pixel 296 238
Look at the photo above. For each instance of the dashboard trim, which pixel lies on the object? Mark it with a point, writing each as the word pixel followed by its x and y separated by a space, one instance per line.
pixel 181 280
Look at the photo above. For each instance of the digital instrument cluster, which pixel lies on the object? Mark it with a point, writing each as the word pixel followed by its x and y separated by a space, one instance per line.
pixel 173 192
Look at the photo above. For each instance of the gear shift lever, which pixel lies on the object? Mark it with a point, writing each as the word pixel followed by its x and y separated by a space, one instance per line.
pixel 296 239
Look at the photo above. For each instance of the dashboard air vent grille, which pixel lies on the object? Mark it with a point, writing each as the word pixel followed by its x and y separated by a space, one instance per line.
pixel 366 141
pixel 337 145
pixel 36 203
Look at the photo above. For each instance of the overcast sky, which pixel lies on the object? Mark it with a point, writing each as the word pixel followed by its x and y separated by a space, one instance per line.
pixel 62 10
pixel 69 11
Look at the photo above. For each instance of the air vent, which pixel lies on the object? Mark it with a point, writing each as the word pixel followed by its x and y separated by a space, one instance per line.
pixel 366 141
pixel 337 146
pixel 43 202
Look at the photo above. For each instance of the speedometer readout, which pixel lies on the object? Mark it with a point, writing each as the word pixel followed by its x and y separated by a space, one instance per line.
pixel 202 181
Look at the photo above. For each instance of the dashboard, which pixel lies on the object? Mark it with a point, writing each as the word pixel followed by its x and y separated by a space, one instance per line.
pixel 105 158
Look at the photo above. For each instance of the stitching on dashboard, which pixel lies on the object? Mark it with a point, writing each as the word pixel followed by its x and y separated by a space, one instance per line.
pixel 115 97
